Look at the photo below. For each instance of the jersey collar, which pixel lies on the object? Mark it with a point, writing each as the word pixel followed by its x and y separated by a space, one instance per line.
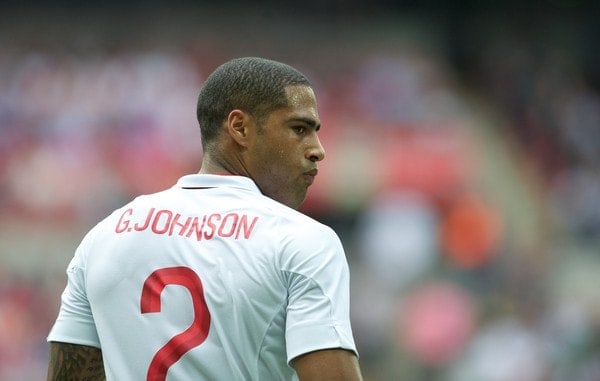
pixel 216 181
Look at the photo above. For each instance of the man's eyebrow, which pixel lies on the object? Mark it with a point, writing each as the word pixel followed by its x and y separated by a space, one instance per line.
pixel 311 122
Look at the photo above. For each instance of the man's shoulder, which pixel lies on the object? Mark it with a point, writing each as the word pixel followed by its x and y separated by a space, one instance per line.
pixel 287 214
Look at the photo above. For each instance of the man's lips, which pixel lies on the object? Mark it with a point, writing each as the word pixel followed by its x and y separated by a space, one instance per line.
pixel 310 175
pixel 313 172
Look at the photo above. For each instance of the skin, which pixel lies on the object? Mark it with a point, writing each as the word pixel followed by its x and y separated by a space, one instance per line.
pixel 281 156
pixel 71 362
pixel 327 365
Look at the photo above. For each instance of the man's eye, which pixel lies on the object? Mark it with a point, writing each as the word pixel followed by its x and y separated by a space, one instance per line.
pixel 300 129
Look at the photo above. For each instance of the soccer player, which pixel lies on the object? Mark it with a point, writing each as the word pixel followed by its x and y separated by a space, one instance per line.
pixel 218 277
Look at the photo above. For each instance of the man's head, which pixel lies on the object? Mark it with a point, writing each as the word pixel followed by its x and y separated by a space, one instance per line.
pixel 259 119
pixel 254 85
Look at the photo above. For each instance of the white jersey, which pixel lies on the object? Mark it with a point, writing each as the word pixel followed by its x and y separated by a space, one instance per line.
pixel 208 280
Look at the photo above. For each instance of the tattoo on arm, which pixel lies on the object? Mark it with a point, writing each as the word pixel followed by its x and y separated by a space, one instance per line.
pixel 72 362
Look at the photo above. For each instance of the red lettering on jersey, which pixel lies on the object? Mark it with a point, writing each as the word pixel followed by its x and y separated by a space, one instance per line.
pixel 222 232
pixel 123 224
pixel 164 221
pixel 176 222
pixel 157 221
pixel 146 223
pixel 195 228
pixel 244 225
pixel 211 225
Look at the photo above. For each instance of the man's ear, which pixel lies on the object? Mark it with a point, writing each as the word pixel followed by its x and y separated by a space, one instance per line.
pixel 238 126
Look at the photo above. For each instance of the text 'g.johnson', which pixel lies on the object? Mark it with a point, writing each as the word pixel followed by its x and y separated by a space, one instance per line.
pixel 166 222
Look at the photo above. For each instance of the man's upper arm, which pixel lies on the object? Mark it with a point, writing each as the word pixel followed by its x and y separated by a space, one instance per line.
pixel 75 362
pixel 327 364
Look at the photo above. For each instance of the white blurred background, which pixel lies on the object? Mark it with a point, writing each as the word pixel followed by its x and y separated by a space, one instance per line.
pixel 462 169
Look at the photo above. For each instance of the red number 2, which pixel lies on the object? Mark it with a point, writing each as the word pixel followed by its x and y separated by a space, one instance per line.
pixel 194 335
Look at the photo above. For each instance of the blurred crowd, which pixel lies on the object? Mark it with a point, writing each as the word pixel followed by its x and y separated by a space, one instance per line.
pixel 469 206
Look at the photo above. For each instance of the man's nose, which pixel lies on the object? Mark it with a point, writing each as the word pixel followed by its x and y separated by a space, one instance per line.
pixel 316 152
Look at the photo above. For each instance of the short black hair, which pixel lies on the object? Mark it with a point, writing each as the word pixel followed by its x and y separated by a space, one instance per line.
pixel 255 85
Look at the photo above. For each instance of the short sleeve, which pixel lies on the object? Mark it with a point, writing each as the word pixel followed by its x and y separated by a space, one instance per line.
pixel 317 276
pixel 75 323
